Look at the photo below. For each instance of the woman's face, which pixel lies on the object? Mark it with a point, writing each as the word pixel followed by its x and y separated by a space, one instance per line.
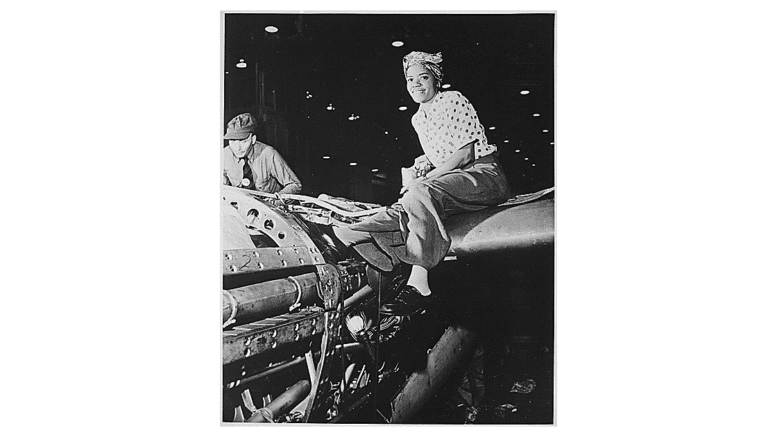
pixel 420 83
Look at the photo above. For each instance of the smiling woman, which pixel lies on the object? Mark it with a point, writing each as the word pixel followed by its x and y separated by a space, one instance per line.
pixel 457 173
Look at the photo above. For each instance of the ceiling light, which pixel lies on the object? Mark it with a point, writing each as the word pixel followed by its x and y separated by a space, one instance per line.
pixel 226 72
pixel 241 64
pixel 353 164
pixel 375 170
pixel 517 150
pixel 552 144
pixel 325 156
pixel 534 165
pixel 386 132
pixel 492 127
pixel 330 107
pixel 397 43
pixel 271 29
pixel 524 92
pixel 507 141
pixel 526 159
pixel 403 108
pixel 544 130
pixel 536 115
pixel 445 86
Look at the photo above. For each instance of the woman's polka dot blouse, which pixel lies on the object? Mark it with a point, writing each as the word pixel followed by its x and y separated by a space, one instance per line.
pixel 449 123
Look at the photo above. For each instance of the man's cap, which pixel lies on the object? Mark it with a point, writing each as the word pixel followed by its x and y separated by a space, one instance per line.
pixel 240 127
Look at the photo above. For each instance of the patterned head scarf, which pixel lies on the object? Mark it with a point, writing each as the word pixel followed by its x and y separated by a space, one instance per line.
pixel 431 62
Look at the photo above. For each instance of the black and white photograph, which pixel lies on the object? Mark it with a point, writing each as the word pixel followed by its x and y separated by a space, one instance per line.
pixel 388 218
pixel 438 217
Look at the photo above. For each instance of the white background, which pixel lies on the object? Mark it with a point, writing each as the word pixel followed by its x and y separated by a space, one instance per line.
pixel 111 113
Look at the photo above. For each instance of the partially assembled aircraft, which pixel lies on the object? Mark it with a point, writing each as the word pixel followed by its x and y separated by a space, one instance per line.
pixel 303 341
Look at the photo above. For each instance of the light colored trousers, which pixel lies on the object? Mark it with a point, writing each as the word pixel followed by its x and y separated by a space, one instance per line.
pixel 412 230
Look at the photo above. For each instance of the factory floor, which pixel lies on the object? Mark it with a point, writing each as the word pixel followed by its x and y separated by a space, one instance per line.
pixel 518 390
pixel 513 310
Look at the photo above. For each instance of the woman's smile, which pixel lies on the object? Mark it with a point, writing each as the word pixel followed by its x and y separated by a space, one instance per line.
pixel 421 84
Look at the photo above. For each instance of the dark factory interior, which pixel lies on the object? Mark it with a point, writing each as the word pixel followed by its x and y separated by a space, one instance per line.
pixel 329 93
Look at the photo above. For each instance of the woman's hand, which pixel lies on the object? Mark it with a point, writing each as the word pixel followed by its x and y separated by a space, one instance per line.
pixel 422 166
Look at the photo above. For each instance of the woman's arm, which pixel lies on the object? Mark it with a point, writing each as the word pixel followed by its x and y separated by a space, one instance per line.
pixel 460 158
pixel 465 155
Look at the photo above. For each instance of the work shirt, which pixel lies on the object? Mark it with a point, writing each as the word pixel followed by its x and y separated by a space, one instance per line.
pixel 447 124
pixel 270 171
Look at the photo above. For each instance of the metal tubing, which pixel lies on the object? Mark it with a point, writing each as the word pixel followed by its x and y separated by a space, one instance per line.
pixel 241 383
pixel 447 356
pixel 268 299
pixel 282 403
pixel 357 297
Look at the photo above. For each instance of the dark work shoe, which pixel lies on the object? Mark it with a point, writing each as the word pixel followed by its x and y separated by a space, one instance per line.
pixel 409 301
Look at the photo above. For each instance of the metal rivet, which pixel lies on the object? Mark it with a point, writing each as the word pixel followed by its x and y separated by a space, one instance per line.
pixel 248 352
pixel 280 252
pixel 301 261
pixel 228 255
pixel 256 254
pixel 284 263
pixel 233 268
pixel 274 344
pixel 274 333
pixel 261 265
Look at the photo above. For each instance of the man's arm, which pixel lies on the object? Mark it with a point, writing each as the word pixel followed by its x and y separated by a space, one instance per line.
pixel 285 175
pixel 226 155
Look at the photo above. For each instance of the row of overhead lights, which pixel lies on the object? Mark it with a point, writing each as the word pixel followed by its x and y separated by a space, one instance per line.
pixel 272 29
pixel 352 164
pixel 354 117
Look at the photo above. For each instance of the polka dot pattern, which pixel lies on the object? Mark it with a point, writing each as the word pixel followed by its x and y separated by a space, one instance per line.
pixel 449 123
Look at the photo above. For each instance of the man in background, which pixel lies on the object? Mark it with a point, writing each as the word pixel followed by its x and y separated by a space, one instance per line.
pixel 251 164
